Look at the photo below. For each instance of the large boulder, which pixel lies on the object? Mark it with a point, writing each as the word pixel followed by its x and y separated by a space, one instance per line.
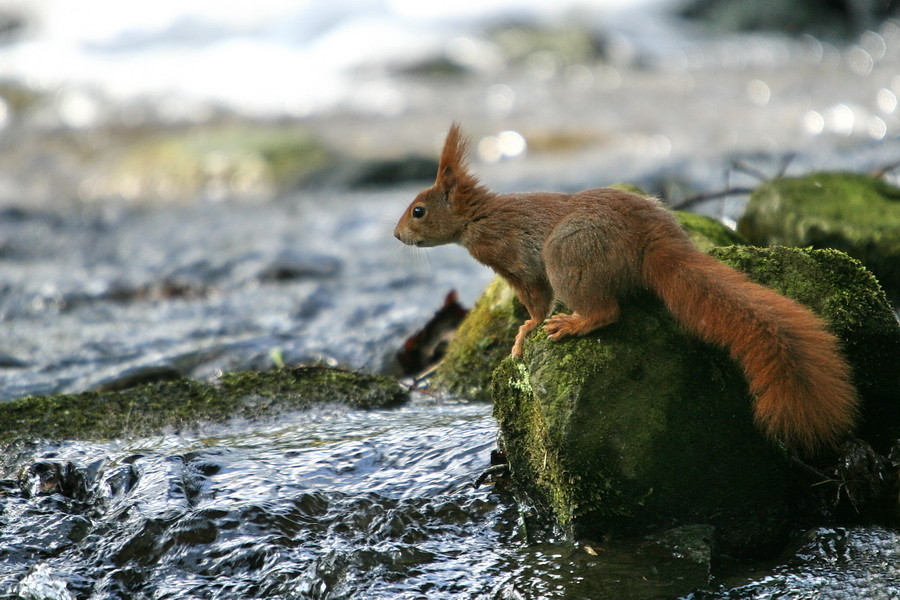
pixel 640 425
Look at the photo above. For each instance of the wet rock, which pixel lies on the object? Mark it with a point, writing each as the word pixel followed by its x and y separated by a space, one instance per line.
pixel 434 66
pixel 312 305
pixel 540 47
pixel 424 349
pixel 152 407
pixel 706 232
pixel 856 213
pixel 546 48
pixel 482 341
pixel 48 477
pixel 12 24
pixel 486 336
pixel 837 19
pixel 8 361
pixel 198 273
pixel 363 173
pixel 216 160
pixel 640 425
pixel 392 172
pixel 293 264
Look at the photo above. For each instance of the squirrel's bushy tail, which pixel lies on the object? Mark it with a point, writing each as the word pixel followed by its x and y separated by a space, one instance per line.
pixel 802 384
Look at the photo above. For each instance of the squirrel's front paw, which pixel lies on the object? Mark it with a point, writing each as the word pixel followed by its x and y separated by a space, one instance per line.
pixel 517 346
pixel 526 328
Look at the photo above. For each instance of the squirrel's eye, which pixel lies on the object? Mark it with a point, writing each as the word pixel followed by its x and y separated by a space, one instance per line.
pixel 418 212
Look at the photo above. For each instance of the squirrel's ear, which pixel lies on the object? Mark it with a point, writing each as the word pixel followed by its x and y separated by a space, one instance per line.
pixel 447 179
pixel 452 166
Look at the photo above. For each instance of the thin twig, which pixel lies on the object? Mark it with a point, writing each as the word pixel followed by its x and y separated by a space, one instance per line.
pixel 698 198
pixel 741 167
pixel 882 171
pixel 785 163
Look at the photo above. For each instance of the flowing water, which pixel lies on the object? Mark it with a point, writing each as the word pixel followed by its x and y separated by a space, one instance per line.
pixel 94 294
pixel 338 503
pixel 329 503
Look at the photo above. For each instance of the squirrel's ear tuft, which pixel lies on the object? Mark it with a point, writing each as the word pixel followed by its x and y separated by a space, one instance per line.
pixel 452 168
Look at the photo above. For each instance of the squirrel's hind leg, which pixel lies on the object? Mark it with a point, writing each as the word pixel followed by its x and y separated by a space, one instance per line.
pixel 579 323
pixel 584 267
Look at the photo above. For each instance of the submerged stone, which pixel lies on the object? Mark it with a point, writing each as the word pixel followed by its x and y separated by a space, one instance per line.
pixel 640 425
pixel 154 407
pixel 856 213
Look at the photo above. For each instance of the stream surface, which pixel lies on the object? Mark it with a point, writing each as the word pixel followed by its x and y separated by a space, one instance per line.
pixel 100 293
pixel 336 503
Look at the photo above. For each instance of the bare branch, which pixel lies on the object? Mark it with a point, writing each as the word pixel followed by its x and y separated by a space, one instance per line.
pixel 698 198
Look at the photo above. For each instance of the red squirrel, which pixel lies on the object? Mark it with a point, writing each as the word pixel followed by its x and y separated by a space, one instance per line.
pixel 592 248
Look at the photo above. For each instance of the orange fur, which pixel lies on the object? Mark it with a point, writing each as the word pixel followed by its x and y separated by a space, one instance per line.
pixel 591 248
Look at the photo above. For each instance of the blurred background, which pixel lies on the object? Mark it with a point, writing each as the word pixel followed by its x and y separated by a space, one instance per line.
pixel 192 187
pixel 95 93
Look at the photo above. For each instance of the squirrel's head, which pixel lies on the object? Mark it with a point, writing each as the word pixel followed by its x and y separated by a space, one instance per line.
pixel 440 213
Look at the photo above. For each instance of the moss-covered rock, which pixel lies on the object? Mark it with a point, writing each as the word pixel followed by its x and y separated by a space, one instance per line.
pixel 483 339
pixel 213 160
pixel 706 232
pixel 486 336
pixel 641 425
pixel 154 407
pixel 646 428
pixel 834 21
pixel 856 213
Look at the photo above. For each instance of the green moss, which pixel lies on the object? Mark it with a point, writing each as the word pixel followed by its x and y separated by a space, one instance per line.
pixel 609 435
pixel 706 232
pixel 629 187
pixel 838 288
pixel 856 213
pixel 18 97
pixel 151 408
pixel 220 159
pixel 519 41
